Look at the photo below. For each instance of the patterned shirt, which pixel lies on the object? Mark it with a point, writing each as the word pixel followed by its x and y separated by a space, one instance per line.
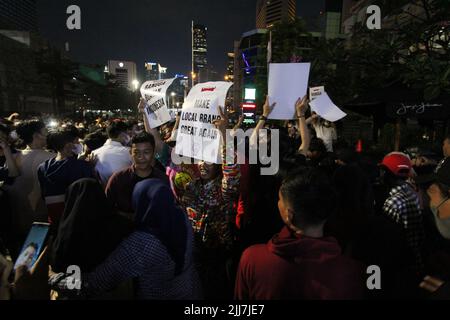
pixel 403 207
pixel 212 213
pixel 145 259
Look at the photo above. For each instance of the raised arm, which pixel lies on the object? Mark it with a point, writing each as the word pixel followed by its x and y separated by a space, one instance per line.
pixel 267 110
pixel 301 106
pixel 231 171
pixel 159 143
pixel 238 125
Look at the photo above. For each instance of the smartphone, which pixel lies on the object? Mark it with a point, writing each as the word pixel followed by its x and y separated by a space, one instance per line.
pixel 33 246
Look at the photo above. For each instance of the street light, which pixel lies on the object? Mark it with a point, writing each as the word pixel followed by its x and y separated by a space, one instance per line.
pixel 136 87
pixel 135 84
pixel 173 94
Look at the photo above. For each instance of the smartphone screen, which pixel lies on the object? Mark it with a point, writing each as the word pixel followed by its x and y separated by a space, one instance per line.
pixel 33 246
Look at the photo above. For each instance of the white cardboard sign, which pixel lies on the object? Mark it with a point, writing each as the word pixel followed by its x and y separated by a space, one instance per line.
pixel 326 109
pixel 287 83
pixel 197 136
pixel 154 93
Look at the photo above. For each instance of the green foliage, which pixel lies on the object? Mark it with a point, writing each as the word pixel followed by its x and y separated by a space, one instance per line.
pixel 415 54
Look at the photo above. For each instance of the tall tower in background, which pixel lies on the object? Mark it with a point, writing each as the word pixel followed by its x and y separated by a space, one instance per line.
pixel 18 15
pixel 269 12
pixel 261 8
pixel 199 52
pixel 331 19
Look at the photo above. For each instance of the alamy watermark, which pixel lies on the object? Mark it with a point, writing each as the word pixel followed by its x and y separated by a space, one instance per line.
pixel 74 20
pixel 236 147
pixel 374 279
pixel 73 282
pixel 374 17
pixel 373 20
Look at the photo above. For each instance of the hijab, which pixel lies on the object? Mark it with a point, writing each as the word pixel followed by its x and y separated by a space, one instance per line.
pixel 157 214
pixel 89 229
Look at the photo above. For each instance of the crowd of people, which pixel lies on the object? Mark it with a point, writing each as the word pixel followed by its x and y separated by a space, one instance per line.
pixel 140 226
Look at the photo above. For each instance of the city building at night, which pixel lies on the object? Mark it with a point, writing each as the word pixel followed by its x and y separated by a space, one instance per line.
pixel 229 76
pixel 125 73
pixel 199 52
pixel 325 21
pixel 249 69
pixel 154 71
pixel 269 12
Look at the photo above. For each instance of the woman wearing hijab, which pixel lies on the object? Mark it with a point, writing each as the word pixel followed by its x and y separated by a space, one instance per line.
pixel 89 229
pixel 157 255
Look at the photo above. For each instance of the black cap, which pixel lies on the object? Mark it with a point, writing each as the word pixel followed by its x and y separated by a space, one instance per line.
pixel 441 176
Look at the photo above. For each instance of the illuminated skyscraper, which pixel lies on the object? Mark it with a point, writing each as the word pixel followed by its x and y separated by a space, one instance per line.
pixel 199 51
pixel 124 72
pixel 154 71
pixel 269 12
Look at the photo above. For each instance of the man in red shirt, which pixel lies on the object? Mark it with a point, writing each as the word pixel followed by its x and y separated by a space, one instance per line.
pixel 299 262
pixel 120 186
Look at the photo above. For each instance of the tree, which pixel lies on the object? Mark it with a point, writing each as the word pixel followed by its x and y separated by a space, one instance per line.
pixel 412 47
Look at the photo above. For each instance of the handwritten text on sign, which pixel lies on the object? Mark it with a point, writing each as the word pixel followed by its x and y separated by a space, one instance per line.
pixel 197 136
pixel 154 93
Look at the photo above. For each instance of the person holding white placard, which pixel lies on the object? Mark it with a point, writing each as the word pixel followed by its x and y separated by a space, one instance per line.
pixel 324 129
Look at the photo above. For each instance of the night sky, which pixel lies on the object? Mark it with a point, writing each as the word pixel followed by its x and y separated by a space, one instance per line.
pixel 150 30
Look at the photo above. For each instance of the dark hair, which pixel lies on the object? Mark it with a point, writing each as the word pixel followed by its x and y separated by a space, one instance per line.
pixel 346 155
pixel 57 140
pixel 355 204
pixel 317 145
pixel 157 214
pixel 27 129
pixel 144 137
pixel 116 128
pixel 311 195
pixel 73 131
pixel 95 140
pixel 289 163
pixel 132 123
pixel 444 189
pixel 32 244
pixel 5 129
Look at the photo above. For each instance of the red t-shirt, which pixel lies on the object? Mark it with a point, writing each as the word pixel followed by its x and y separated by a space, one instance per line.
pixel 119 190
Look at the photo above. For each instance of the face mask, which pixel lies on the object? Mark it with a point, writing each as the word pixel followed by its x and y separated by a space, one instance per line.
pixel 78 149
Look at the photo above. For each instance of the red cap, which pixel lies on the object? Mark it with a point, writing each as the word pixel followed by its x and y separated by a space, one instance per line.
pixel 398 163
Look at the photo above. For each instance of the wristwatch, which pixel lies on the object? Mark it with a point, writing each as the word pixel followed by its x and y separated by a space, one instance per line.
pixel 263 118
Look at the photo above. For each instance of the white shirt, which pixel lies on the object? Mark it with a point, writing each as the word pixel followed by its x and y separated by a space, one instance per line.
pixel 327 134
pixel 111 158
